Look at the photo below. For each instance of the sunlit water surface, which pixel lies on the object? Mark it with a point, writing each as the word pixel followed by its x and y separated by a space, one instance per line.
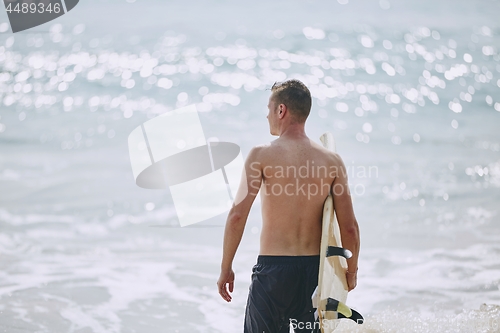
pixel 411 94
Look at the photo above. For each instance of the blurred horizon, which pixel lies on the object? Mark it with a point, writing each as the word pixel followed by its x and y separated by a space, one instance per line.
pixel 412 88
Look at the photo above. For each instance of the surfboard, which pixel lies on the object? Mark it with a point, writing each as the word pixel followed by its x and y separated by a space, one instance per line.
pixel 330 295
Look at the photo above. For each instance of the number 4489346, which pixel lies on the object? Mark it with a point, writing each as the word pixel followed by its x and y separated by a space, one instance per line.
pixel 34 8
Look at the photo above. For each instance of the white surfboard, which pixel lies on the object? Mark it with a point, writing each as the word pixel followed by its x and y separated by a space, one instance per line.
pixel 331 294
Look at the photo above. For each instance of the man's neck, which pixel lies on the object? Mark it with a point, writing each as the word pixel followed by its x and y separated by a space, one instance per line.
pixel 294 131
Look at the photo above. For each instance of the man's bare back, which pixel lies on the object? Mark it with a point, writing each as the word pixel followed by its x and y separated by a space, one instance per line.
pixel 297 177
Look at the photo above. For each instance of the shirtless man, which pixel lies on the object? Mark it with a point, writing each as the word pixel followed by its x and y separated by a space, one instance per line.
pixel 291 173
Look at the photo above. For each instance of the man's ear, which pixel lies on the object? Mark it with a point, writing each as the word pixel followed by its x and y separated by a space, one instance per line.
pixel 282 110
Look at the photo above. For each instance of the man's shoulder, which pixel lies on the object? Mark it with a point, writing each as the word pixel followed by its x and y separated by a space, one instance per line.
pixel 257 152
pixel 265 151
pixel 335 157
pixel 260 148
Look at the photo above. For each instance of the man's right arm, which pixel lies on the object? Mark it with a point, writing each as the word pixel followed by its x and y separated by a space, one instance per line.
pixel 251 181
pixel 349 229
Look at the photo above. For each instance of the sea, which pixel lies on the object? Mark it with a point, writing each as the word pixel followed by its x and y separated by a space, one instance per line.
pixel 409 89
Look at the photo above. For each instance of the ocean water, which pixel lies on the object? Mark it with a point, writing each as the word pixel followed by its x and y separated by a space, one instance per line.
pixel 410 90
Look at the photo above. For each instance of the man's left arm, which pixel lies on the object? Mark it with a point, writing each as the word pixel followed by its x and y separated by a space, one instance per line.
pixel 349 229
pixel 251 181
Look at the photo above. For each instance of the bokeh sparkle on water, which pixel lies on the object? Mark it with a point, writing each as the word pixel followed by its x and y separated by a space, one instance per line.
pixel 84 249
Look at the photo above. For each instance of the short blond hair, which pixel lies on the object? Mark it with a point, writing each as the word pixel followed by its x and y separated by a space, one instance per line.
pixel 295 95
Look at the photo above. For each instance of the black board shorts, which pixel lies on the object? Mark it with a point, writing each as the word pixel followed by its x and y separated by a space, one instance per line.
pixel 280 294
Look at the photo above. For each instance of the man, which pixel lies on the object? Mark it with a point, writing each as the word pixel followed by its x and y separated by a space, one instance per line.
pixel 291 171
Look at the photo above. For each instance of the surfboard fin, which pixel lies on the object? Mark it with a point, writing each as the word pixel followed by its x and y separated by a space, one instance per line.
pixel 338 251
pixel 343 311
pixel 356 316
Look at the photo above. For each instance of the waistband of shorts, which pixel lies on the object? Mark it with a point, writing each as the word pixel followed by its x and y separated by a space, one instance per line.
pixel 288 260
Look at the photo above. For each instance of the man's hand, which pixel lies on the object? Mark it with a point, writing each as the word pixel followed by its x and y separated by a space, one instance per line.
pixel 351 279
pixel 226 277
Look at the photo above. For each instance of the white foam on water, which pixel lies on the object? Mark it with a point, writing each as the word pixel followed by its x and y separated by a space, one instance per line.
pixel 83 248
pixel 486 319
pixel 25 219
